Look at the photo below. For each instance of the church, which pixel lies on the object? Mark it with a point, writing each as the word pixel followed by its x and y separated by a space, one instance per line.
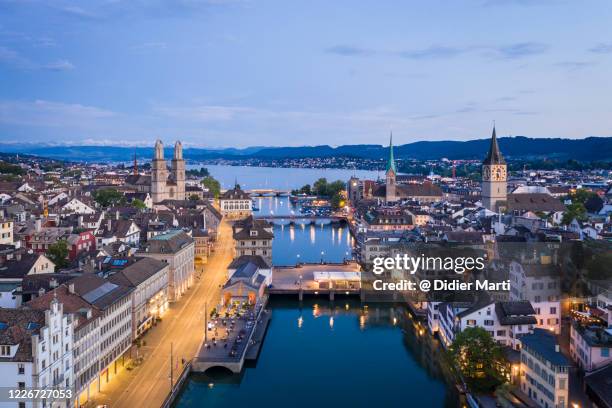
pixel 494 177
pixel 162 184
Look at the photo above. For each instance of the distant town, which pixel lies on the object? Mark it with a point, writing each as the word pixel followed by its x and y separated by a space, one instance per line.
pixel 124 281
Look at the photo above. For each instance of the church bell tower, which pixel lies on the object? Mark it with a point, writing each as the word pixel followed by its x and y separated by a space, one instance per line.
pixel 494 177
pixel 390 175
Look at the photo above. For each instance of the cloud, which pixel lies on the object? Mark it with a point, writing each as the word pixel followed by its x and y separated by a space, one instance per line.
pixel 49 113
pixel 574 65
pixel 348 51
pixel 508 51
pixel 602 48
pixel 61 65
pixel 520 50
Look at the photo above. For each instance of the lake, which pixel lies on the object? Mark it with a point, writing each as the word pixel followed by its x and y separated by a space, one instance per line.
pixel 278 178
pixel 319 353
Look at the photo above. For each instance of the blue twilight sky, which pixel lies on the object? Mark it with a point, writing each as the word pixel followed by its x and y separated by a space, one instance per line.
pixel 283 72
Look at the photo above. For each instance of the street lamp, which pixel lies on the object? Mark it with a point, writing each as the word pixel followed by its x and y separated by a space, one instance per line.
pixel 322 253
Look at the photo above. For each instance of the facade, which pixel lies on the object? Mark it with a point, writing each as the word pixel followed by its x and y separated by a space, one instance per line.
pixel 247 282
pixel 177 249
pixel 590 346
pixel 148 278
pixel 253 237
pixel 115 306
pixel 164 185
pixel 6 232
pixel 494 177
pixel 544 372
pixel 540 284
pixel 235 203
pixel 86 344
pixel 36 350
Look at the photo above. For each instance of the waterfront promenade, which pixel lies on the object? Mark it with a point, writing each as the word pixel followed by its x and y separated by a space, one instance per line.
pixel 182 326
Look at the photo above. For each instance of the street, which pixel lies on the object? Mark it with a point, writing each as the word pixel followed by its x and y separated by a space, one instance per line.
pixel 182 326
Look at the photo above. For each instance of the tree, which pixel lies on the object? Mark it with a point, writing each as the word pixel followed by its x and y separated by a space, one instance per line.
pixel 139 204
pixel 108 197
pixel 320 187
pixel 574 210
pixel 58 254
pixel 212 185
pixel 338 201
pixel 478 357
pixel 194 197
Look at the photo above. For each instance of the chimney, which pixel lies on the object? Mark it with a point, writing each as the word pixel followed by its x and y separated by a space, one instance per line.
pixel 80 221
pixel 557 348
pixel 71 287
pixel 109 224
pixel 18 256
pixel 53 283
pixel 38 225
pixel 117 214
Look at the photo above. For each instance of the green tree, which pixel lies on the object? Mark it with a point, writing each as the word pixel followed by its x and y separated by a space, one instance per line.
pixel 320 187
pixel 108 197
pixel 58 253
pixel 137 203
pixel 194 197
pixel 212 185
pixel 478 357
pixel 574 210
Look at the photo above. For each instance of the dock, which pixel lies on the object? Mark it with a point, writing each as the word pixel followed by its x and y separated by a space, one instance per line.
pixel 328 279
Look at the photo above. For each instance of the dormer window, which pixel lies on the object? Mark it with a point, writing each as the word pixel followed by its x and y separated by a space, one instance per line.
pixel 5 351
pixel 253 233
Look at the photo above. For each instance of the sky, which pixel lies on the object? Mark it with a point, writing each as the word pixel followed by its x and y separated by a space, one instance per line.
pixel 236 73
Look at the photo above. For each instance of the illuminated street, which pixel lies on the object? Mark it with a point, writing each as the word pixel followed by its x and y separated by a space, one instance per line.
pixel 182 326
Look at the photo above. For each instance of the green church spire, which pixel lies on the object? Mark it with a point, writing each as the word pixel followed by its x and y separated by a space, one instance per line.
pixel 391 162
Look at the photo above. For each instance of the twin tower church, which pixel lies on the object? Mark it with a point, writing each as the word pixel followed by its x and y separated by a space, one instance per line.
pixel 494 178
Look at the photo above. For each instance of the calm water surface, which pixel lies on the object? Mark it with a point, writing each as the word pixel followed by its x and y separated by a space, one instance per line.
pixel 331 354
pixel 277 178
pixel 304 242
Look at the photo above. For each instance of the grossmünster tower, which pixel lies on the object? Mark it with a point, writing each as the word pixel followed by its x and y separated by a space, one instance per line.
pixel 494 177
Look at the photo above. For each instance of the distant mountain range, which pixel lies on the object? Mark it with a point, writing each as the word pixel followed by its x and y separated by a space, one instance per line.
pixel 513 148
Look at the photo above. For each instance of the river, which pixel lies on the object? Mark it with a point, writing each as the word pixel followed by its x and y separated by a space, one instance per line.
pixel 331 354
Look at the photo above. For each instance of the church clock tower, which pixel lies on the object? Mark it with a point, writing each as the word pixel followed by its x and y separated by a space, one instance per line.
pixel 494 177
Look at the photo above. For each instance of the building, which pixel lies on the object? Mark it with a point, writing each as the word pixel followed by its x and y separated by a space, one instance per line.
pixel 389 219
pixel 203 245
pixel 177 249
pixel 6 232
pixel 115 306
pixel 235 203
pixel 494 177
pixel 162 185
pixel 247 282
pixel 253 237
pixel 544 371
pixel 539 284
pixel 36 350
pixel 86 345
pixel 20 265
pixel 590 346
pixel 148 278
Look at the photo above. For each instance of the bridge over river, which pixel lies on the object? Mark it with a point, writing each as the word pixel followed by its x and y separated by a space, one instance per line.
pixel 303 219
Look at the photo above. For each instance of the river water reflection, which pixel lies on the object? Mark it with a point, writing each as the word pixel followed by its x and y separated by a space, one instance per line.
pixel 332 354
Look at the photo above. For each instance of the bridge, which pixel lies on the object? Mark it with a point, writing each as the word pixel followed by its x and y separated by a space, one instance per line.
pixel 302 219
pixel 265 192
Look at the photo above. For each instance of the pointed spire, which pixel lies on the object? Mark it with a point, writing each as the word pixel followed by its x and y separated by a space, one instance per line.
pixel 391 162
pixel 494 156
pixel 135 164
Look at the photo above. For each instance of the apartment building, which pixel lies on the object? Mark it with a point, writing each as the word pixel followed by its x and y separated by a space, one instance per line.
pixel 590 346
pixel 544 372
pixel 254 238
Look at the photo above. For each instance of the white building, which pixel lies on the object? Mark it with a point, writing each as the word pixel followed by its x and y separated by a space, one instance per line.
pixel 149 279
pixel 506 322
pixel 235 203
pixel 86 341
pixel 544 370
pixel 177 249
pixel 540 284
pixel 36 350
pixel 115 306
pixel 76 206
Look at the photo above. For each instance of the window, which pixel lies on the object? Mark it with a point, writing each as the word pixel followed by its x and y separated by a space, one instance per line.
pixel 553 310
pixel 489 322
pixel 5 350
pixel 20 368
pixel 605 352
